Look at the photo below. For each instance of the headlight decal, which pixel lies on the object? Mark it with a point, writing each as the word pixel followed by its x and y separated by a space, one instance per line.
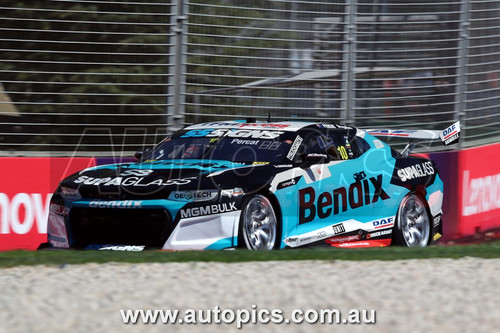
pixel 56 228
pixel 70 193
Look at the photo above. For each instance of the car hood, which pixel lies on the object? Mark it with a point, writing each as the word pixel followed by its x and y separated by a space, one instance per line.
pixel 157 179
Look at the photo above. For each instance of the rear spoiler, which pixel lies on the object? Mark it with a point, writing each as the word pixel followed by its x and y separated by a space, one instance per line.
pixel 448 136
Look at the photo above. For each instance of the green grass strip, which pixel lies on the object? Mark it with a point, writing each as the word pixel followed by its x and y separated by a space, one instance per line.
pixel 67 257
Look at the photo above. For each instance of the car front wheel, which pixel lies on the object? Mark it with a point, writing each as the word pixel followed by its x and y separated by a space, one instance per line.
pixel 413 223
pixel 259 224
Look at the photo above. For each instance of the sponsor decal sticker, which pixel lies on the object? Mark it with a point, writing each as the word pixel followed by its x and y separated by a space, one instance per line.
pixel 233 133
pixel 344 127
pixel 382 223
pixel 193 195
pixel 136 172
pixel 304 240
pixel 279 166
pixel 378 144
pixel 400 133
pixel 379 233
pixel 288 183
pixel 322 234
pixel 295 147
pixel 317 155
pixel 437 219
pixel 209 133
pixel 313 236
pixel 357 244
pixel 270 145
pixel 208 210
pixel 343 239
pixel 219 123
pixel 235 192
pixel 236 124
pixel 416 171
pixel 451 134
pixel 436 236
pixel 111 247
pixel 131 181
pixel 451 139
pixel 338 228
pixel 254 134
pixel 245 142
pixel 367 243
pixel 266 125
pixel 326 126
pixel 116 204
pixel 340 199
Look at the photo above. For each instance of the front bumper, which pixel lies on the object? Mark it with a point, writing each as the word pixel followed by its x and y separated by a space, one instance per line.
pixel 159 224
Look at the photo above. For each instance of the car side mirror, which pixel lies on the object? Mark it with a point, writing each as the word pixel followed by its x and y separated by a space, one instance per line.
pixel 140 153
pixel 314 158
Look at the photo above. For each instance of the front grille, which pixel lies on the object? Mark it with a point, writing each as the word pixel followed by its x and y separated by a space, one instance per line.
pixel 122 195
pixel 150 227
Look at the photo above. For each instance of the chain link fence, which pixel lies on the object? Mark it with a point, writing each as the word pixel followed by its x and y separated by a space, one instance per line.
pixel 108 77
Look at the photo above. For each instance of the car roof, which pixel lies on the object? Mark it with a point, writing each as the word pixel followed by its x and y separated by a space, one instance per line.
pixel 288 126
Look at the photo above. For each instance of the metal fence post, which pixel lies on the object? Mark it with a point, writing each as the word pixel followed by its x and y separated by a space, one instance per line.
pixel 176 96
pixel 461 87
pixel 348 64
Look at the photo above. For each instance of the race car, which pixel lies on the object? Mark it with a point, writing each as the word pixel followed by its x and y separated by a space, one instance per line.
pixel 256 185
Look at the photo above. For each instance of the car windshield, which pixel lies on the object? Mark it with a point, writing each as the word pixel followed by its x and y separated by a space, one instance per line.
pixel 247 146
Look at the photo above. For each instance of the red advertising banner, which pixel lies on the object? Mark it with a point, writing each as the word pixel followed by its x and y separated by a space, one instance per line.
pixel 478 202
pixel 25 191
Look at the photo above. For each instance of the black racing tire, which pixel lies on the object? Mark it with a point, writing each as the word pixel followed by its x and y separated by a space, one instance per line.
pixel 413 222
pixel 260 227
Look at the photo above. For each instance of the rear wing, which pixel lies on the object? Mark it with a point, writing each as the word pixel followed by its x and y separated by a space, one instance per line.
pixel 448 136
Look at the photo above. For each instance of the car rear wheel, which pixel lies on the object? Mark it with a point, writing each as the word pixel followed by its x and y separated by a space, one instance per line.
pixel 259 224
pixel 413 222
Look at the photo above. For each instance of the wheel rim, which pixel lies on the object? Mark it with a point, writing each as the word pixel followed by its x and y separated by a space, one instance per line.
pixel 414 222
pixel 259 224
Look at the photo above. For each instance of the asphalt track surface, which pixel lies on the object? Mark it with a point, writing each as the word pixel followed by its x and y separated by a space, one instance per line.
pixel 421 295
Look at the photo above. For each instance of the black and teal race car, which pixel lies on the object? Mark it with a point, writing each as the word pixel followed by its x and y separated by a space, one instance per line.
pixel 256 185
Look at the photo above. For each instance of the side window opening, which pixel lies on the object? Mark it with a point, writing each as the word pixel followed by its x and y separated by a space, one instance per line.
pixel 338 145
pixel 335 144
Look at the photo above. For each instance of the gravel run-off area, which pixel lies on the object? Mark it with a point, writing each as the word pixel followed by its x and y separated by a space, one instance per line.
pixel 431 295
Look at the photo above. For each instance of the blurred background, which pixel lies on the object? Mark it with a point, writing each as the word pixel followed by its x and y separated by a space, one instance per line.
pixel 93 78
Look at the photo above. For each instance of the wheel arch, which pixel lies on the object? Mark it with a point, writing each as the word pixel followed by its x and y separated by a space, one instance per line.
pixel 279 215
pixel 420 192
pixel 277 211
